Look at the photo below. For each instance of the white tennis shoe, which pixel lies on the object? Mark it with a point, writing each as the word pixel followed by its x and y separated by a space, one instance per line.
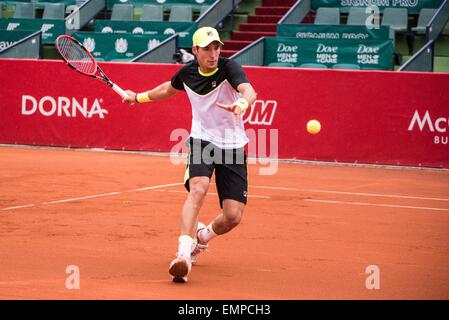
pixel 199 248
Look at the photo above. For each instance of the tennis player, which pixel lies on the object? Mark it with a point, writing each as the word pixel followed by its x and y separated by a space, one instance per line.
pixel 219 92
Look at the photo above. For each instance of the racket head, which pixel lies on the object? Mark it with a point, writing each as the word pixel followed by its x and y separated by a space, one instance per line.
pixel 76 55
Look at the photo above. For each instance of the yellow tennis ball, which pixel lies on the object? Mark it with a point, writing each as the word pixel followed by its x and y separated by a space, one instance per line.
pixel 313 127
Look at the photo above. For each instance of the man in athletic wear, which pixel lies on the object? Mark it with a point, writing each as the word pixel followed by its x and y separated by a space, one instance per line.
pixel 219 92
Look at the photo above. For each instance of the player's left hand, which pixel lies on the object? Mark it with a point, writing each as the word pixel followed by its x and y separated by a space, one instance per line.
pixel 234 108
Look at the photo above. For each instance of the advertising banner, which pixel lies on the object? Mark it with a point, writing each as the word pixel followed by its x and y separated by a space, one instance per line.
pixel 117 46
pixel 8 38
pixel 368 54
pixel 185 30
pixel 373 117
pixel 165 3
pixel 332 32
pixel 51 29
pixel 413 6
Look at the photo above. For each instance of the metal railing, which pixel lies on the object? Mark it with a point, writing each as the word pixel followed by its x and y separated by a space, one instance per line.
pixel 217 13
pixel 83 14
pixel 297 12
pixel 252 55
pixel 29 47
pixel 438 22
pixel 423 59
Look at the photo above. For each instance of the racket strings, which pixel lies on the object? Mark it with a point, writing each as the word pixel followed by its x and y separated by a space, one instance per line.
pixel 76 56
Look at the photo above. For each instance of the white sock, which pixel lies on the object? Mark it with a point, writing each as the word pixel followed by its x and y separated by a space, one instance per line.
pixel 185 246
pixel 207 234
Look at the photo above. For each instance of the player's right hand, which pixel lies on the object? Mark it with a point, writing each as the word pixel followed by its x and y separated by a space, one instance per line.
pixel 131 99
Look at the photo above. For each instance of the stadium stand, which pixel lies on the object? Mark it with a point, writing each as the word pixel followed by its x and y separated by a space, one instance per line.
pixel 357 16
pixel 327 16
pixel 305 12
pixel 24 10
pixel 396 19
pixel 254 19
pixel 423 19
pixel 122 12
pixel 181 13
pixel 261 23
pixel 151 12
pixel 54 11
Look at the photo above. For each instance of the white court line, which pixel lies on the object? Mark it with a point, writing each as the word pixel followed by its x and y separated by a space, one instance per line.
pixel 19 207
pixel 82 198
pixel 111 194
pixel 375 195
pixel 94 196
pixel 375 204
pixel 156 187
pixel 274 188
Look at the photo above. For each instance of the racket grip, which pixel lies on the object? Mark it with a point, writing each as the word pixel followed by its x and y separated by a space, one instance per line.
pixel 120 91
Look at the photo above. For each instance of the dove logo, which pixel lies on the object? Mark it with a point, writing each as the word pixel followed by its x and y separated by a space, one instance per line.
pixel 169 31
pixel 199 1
pixel 160 1
pixel 107 30
pixel 6 44
pixel 138 30
pixel 153 43
pixel 121 45
pixel 89 44
pixel 12 25
pixel 46 26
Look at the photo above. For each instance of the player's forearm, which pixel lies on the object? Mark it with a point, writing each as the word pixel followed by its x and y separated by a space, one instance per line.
pixel 250 96
pixel 161 92
pixel 248 93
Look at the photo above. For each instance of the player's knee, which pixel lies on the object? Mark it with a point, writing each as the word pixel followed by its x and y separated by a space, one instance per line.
pixel 233 217
pixel 197 194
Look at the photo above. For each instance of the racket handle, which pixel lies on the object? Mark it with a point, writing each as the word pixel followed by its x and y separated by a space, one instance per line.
pixel 120 91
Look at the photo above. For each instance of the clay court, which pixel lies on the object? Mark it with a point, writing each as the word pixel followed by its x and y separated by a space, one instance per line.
pixel 308 232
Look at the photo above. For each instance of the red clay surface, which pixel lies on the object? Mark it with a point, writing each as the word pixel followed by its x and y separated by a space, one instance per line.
pixel 308 232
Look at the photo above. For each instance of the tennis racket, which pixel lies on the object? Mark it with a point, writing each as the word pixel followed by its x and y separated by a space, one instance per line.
pixel 80 59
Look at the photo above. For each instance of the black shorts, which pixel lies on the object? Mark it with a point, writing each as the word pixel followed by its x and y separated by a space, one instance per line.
pixel 230 165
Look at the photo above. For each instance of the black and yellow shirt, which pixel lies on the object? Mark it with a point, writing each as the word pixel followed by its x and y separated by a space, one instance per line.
pixel 209 122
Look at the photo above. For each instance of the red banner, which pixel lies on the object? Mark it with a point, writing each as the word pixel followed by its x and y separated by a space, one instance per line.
pixel 366 116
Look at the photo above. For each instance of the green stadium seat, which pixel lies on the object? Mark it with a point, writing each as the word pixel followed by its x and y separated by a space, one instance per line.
pixel 396 19
pixel 327 16
pixel 25 10
pixel 180 13
pixel 281 64
pixel 54 11
pixel 346 66
pixel 152 12
pixel 357 16
pixel 425 15
pixel 122 12
pixel 313 65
